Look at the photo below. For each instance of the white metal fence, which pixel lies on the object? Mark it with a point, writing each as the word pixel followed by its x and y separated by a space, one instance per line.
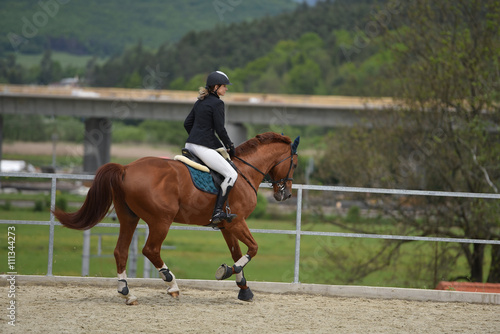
pixel 297 232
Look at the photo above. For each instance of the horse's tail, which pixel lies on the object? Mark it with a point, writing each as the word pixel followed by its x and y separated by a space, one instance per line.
pixel 107 182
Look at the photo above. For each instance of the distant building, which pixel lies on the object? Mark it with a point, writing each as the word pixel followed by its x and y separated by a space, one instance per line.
pixel 14 166
pixel 68 82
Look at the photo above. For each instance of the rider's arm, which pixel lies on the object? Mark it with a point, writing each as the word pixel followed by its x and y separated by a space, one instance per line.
pixel 188 123
pixel 219 125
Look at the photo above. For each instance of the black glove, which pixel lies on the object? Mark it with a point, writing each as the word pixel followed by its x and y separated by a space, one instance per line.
pixel 231 150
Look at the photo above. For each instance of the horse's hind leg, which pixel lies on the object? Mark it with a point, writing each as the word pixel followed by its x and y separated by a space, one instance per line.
pixel 157 234
pixel 128 224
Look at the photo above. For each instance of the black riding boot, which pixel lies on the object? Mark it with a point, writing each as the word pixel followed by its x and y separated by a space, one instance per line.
pixel 219 214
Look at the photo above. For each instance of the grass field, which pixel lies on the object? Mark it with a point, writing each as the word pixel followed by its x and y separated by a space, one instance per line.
pixel 197 254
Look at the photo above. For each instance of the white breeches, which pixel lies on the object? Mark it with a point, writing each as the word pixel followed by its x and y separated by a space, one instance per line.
pixel 215 161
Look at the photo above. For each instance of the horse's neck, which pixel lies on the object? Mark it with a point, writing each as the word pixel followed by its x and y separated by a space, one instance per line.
pixel 262 160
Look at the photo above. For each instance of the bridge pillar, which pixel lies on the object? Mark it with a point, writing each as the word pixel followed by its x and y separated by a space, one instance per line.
pixel 237 132
pixel 1 136
pixel 97 144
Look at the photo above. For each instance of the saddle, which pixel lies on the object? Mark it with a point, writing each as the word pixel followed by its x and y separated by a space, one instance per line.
pixel 204 178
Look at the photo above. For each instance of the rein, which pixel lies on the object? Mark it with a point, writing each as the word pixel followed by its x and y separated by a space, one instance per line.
pixel 281 182
pixel 244 176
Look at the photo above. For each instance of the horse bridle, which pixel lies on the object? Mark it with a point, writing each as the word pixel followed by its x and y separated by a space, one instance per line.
pixel 281 182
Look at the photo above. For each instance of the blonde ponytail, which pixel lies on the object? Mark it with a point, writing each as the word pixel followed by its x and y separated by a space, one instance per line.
pixel 203 92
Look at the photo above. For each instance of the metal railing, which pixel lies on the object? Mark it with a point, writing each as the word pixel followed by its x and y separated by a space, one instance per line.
pixel 298 229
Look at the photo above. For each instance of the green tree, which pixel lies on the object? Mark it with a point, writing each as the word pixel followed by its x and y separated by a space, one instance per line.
pixel 450 65
pixel 10 71
pixel 445 74
pixel 46 74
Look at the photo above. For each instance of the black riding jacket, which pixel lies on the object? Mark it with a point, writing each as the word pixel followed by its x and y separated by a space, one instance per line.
pixel 205 120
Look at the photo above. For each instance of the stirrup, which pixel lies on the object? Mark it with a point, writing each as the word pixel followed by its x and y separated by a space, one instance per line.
pixel 221 215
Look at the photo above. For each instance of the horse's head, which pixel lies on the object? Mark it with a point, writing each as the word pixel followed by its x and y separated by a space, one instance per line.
pixel 282 173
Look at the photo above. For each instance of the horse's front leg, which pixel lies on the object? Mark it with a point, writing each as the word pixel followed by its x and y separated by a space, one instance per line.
pixel 225 271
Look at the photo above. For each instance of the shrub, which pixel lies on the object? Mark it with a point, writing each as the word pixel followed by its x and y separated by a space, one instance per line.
pixel 6 206
pixel 39 205
pixel 261 208
pixel 127 133
pixel 62 203
pixel 353 214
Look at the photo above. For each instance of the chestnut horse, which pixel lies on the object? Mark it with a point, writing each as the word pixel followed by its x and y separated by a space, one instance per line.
pixel 160 191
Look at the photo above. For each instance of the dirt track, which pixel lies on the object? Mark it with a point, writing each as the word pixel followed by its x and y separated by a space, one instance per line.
pixel 91 309
pixel 70 149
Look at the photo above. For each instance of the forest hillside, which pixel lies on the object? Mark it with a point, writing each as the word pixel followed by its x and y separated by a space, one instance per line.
pixel 105 28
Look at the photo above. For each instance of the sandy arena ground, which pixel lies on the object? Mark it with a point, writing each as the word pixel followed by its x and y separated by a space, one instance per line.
pixel 96 309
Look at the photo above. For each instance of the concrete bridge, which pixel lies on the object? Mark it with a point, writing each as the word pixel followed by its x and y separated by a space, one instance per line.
pixel 100 106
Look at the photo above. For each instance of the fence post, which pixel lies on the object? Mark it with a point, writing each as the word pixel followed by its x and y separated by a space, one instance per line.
pixel 86 253
pixel 132 256
pixel 147 265
pixel 50 260
pixel 297 235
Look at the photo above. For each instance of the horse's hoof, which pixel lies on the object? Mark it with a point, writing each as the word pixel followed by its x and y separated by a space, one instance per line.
pixel 174 294
pixel 132 301
pixel 129 298
pixel 246 295
pixel 223 272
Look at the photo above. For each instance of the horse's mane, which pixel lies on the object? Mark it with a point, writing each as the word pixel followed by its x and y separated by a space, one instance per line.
pixel 265 138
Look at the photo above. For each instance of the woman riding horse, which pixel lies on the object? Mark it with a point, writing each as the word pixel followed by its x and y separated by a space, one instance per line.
pixel 161 191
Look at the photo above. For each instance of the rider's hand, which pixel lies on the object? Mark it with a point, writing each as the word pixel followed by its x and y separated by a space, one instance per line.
pixel 230 150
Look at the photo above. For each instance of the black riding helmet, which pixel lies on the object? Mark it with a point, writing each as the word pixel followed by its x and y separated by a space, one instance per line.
pixel 217 78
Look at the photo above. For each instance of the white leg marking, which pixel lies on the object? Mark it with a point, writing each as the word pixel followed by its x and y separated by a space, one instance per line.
pixel 242 261
pixel 123 275
pixel 130 299
pixel 172 285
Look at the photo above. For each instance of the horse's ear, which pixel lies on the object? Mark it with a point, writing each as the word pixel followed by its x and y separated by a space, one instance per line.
pixel 295 145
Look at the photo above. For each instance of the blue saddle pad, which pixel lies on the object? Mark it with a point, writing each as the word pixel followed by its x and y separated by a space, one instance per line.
pixel 203 180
